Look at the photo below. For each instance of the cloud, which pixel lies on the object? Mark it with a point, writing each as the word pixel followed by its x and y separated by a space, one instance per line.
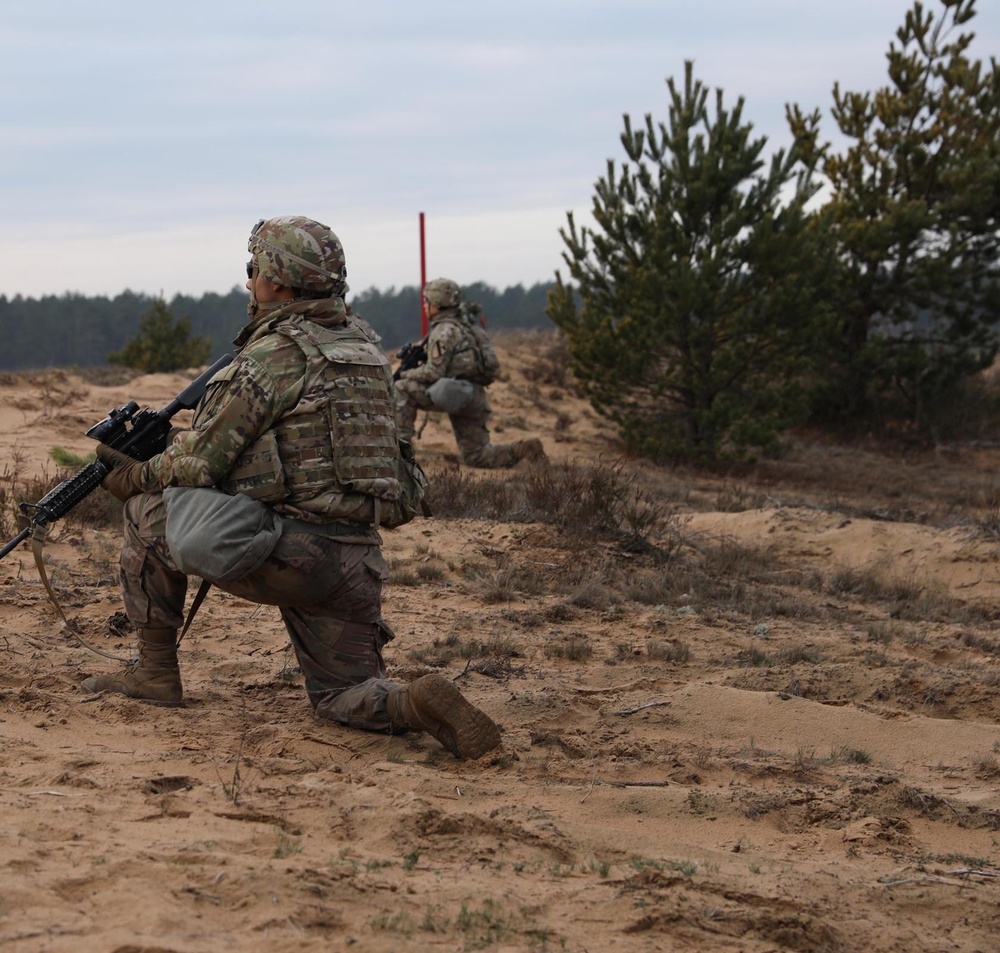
pixel 162 134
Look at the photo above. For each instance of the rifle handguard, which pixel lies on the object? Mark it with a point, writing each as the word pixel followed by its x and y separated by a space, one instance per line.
pixel 62 498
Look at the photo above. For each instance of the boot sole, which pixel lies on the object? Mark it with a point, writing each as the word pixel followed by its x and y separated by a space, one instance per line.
pixel 472 733
pixel 158 704
pixel 91 695
pixel 93 687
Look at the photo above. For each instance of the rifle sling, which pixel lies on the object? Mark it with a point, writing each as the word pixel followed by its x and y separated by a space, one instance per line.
pixel 199 598
pixel 37 542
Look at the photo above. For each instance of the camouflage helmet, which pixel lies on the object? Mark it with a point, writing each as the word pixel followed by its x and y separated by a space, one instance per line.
pixel 443 293
pixel 299 253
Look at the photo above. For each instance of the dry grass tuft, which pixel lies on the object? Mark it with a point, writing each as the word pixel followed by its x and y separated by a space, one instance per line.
pixel 674 652
pixel 585 502
pixel 575 648
pixel 96 510
pixel 550 364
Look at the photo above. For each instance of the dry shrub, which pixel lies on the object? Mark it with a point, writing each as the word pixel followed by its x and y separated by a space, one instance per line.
pixel 495 647
pixel 498 648
pixel 677 653
pixel 754 657
pixel 730 576
pixel 738 499
pixel 505 581
pixel 598 500
pixel 882 632
pixel 653 587
pixel 550 365
pixel 872 585
pixel 12 491
pixel 905 598
pixel 430 572
pixel 792 654
pixel 575 648
pixel 987 525
pixel 527 619
pixel 973 641
pixel 987 767
pixel 930 805
pixel 585 502
pixel 591 593
pixel 459 494
pixel 402 575
pixel 732 559
pixel 721 576
pixel 52 391
pixel 558 613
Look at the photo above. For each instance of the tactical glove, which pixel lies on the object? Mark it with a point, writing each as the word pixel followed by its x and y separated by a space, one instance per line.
pixel 127 477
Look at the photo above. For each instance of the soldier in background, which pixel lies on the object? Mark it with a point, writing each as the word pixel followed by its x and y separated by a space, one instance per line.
pixel 301 421
pixel 461 364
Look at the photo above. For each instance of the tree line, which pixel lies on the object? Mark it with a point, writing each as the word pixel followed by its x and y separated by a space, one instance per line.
pixel 74 330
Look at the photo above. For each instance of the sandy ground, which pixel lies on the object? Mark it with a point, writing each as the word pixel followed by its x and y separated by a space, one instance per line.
pixel 804 756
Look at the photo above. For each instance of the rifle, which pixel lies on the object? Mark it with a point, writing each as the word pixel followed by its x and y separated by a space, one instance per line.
pixel 411 355
pixel 139 433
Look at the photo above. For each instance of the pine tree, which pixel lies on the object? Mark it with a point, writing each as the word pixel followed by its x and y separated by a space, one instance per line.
pixel 699 298
pixel 914 208
pixel 163 344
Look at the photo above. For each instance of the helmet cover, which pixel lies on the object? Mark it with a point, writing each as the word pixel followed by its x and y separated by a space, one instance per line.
pixel 299 253
pixel 443 293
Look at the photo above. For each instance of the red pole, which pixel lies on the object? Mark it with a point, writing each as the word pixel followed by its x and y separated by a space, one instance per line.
pixel 423 279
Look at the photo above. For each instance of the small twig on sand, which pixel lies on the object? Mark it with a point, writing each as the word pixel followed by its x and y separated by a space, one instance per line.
pixel 623 784
pixel 972 872
pixel 919 880
pixel 632 711
pixel 41 793
pixel 963 872
pixel 637 784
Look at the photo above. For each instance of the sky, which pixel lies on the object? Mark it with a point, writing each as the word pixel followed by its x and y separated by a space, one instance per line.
pixel 140 142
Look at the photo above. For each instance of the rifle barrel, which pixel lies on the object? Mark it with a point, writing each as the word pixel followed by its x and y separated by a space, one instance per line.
pixel 16 541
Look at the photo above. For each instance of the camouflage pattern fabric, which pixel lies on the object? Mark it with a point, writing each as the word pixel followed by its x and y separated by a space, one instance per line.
pixel 249 399
pixel 448 354
pixel 300 253
pixel 329 594
pixel 451 350
pixel 328 589
pixel 470 427
pixel 338 442
pixel 443 293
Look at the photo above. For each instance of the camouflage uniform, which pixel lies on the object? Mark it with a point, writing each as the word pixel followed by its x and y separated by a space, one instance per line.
pixel 328 592
pixel 328 588
pixel 302 420
pixel 450 353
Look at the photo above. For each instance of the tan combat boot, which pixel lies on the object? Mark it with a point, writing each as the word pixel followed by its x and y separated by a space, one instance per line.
pixel 154 678
pixel 433 704
pixel 531 449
